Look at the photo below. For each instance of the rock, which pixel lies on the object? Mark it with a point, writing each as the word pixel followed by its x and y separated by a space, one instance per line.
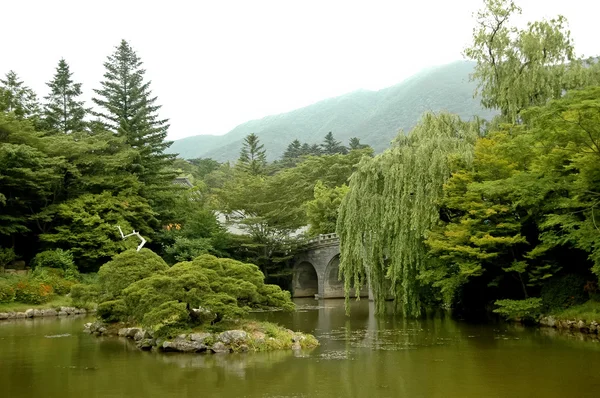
pixel 38 313
pixel 296 346
pixel 20 315
pixel 132 332
pixel 582 326
pixel 199 337
pixel 29 313
pixel 146 344
pixel 219 348
pixel 182 336
pixel 49 312
pixel 233 336
pixel 12 315
pixel 244 348
pixel 66 310
pixel 76 311
pixel 180 345
pixel 87 327
pixel 82 311
pixel 3 315
pixel 551 322
pixel 141 335
pixel 62 313
pixel 123 332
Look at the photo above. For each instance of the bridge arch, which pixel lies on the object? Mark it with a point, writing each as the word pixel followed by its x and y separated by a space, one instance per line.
pixel 332 286
pixel 322 253
pixel 305 280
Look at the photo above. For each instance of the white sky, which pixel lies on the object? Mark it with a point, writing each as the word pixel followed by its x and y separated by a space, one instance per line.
pixel 216 64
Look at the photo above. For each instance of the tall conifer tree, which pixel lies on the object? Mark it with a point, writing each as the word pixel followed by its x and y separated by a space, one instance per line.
pixel 331 146
pixel 128 108
pixel 253 158
pixel 17 98
pixel 62 111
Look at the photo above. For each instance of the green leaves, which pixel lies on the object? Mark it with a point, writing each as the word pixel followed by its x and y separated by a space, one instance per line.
pixel 393 200
pixel 62 112
pixel 519 68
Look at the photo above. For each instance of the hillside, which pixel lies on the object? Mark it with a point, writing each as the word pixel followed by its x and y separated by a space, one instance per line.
pixel 373 116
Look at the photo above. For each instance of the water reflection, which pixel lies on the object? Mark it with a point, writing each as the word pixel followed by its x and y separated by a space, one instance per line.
pixel 360 356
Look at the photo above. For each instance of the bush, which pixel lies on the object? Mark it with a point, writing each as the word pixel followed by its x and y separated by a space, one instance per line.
pixel 83 294
pixel 7 256
pixel 55 278
pixel 7 292
pixel 112 311
pixel 31 291
pixel 185 249
pixel 523 309
pixel 563 292
pixel 126 268
pixel 189 294
pixel 61 259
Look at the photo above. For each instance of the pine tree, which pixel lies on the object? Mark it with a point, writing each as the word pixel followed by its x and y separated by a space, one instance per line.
pixel 17 98
pixel 62 111
pixel 355 144
pixel 129 109
pixel 315 150
pixel 331 146
pixel 293 150
pixel 253 158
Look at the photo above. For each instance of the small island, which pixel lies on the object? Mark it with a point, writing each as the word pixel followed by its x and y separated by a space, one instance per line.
pixel 193 306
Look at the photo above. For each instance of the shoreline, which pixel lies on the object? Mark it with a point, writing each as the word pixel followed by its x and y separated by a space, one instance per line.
pixel 251 336
pixel 46 312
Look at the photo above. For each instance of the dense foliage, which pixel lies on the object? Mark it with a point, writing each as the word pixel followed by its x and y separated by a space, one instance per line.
pixel 139 287
pixel 468 214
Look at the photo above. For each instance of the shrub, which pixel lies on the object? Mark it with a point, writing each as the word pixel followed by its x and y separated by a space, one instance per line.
pixel 7 292
pixel 112 311
pixel 563 292
pixel 31 291
pixel 58 258
pixel 126 268
pixel 55 278
pixel 523 309
pixel 186 249
pixel 188 294
pixel 83 294
pixel 7 256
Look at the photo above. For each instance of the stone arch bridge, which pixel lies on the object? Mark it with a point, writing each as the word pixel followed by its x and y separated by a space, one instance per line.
pixel 316 269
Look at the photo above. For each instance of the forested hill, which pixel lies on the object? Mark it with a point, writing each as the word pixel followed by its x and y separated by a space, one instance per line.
pixel 373 116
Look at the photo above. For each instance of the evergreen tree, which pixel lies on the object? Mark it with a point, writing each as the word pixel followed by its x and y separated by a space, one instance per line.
pixel 253 158
pixel 331 146
pixel 355 144
pixel 293 151
pixel 62 111
pixel 17 98
pixel 315 150
pixel 128 108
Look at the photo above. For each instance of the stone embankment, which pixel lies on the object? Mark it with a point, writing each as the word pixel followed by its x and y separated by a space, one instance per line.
pixel 36 313
pixel 216 343
pixel 588 327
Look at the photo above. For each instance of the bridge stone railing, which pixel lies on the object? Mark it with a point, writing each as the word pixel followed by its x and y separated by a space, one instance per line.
pixel 321 240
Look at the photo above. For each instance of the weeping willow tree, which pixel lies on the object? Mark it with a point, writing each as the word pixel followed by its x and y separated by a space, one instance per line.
pixel 392 203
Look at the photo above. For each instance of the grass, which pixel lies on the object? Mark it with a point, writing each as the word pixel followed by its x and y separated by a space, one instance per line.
pixel 588 311
pixel 263 336
pixel 56 302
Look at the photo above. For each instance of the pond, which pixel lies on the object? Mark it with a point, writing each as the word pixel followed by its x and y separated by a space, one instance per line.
pixel 359 356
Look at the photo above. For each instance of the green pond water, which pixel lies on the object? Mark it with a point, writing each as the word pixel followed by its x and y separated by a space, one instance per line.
pixel 359 356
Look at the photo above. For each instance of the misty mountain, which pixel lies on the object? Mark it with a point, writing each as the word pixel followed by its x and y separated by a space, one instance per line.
pixel 375 117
